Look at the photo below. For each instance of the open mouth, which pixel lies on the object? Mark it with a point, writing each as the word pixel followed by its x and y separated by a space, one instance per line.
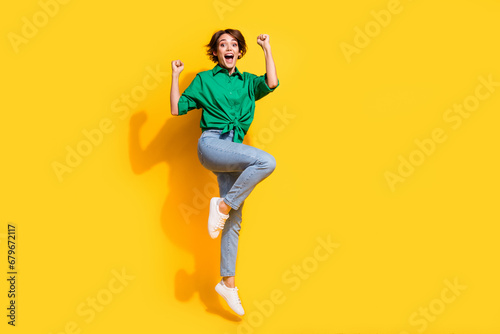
pixel 229 57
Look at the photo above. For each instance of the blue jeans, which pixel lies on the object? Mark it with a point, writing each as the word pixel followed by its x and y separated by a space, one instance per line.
pixel 239 168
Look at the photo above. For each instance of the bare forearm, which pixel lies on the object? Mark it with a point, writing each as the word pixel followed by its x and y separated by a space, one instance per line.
pixel 272 76
pixel 174 95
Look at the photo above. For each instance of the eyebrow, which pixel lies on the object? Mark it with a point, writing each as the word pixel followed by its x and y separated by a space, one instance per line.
pixel 225 39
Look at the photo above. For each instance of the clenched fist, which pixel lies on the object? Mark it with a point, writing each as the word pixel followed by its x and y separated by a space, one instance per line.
pixel 177 66
pixel 263 40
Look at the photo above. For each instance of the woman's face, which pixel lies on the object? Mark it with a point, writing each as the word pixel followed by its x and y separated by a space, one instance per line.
pixel 227 52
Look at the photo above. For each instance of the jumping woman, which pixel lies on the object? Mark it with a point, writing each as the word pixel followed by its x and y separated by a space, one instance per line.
pixel 227 99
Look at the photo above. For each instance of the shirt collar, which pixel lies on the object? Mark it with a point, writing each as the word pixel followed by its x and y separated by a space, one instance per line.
pixel 217 68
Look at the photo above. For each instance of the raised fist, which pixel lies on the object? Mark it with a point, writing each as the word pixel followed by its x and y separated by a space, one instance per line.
pixel 263 40
pixel 177 66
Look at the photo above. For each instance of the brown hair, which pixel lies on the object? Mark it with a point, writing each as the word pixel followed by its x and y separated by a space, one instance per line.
pixel 212 46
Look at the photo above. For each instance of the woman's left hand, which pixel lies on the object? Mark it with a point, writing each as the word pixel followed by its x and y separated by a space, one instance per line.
pixel 263 40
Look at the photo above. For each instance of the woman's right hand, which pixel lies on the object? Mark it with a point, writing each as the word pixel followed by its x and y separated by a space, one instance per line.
pixel 177 66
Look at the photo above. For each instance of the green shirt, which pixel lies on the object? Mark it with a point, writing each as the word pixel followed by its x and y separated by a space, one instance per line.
pixel 228 101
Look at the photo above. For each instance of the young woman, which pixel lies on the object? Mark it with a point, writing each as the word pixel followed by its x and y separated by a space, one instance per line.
pixel 227 98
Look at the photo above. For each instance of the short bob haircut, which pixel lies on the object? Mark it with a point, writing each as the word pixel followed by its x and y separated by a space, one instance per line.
pixel 212 46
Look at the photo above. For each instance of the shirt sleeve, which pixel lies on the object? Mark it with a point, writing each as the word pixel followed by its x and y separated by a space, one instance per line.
pixel 261 89
pixel 190 99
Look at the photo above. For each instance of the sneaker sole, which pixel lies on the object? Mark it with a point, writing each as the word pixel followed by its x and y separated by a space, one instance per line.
pixel 213 206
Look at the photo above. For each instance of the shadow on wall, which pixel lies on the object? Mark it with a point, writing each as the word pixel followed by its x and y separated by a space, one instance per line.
pixel 185 211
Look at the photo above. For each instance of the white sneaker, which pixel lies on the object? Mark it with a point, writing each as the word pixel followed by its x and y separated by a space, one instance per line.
pixel 231 297
pixel 216 219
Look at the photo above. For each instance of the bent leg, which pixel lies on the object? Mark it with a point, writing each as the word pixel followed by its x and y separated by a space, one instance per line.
pixel 253 164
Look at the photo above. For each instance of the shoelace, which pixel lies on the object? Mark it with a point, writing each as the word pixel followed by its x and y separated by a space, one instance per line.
pixel 235 293
pixel 220 224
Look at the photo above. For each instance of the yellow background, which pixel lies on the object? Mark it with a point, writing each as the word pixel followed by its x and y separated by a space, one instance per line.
pixel 348 122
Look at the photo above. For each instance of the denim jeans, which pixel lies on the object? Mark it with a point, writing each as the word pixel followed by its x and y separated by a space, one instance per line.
pixel 239 168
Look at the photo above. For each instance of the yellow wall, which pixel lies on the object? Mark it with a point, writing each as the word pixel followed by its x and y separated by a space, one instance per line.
pixel 381 217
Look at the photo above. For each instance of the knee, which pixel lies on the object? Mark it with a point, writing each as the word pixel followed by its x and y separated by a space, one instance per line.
pixel 268 162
